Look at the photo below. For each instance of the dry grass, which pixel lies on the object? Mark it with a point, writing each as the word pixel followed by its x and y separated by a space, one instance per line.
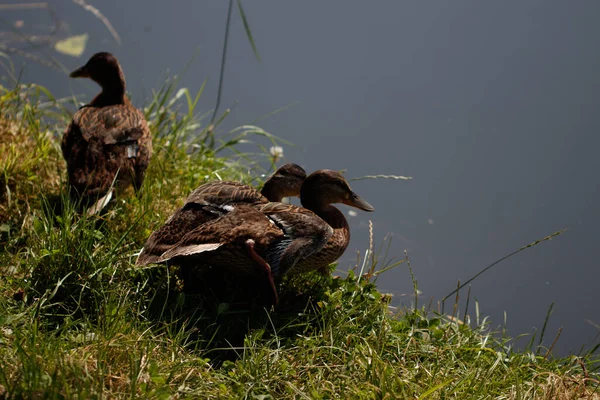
pixel 29 161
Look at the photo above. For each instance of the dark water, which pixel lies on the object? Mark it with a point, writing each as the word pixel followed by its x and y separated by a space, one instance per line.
pixel 492 107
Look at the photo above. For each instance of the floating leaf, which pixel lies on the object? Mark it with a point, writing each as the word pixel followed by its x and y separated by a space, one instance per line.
pixel 73 46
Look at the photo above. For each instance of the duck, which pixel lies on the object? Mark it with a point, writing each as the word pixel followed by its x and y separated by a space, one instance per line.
pixel 215 199
pixel 275 238
pixel 108 143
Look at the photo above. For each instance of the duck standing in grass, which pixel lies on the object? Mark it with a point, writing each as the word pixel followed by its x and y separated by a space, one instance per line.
pixel 108 143
pixel 276 238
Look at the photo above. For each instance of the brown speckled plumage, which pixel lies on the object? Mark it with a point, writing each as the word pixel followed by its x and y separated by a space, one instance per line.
pixel 290 238
pixel 251 240
pixel 333 249
pixel 108 140
pixel 209 202
pixel 231 232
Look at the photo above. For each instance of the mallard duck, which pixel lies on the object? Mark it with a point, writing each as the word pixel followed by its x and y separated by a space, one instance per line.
pixel 108 141
pixel 275 237
pixel 215 199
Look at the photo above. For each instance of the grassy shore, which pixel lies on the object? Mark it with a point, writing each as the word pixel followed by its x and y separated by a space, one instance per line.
pixel 79 320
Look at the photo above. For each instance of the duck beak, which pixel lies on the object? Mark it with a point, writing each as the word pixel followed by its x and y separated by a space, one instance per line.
pixel 355 201
pixel 80 72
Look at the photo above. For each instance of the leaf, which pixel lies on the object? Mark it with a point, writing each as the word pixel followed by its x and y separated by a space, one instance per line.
pixel 73 46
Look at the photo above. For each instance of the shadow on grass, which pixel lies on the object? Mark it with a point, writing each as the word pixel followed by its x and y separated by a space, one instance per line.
pixel 216 309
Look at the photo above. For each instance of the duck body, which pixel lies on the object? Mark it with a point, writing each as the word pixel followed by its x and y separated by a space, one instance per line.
pixel 214 200
pixel 208 202
pixel 279 238
pixel 106 145
pixel 108 142
pixel 332 250
pixel 248 242
pixel 280 232
pixel 236 230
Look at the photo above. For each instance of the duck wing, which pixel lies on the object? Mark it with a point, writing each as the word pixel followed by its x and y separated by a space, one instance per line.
pixel 208 202
pixel 225 192
pixel 184 220
pixel 305 234
pixel 283 234
pixel 118 123
pixel 227 234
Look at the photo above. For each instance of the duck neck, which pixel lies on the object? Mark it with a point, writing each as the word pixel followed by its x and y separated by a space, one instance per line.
pixel 113 90
pixel 270 191
pixel 332 216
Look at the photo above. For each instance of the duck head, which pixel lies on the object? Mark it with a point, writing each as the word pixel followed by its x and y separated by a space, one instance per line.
pixel 285 182
pixel 324 187
pixel 104 69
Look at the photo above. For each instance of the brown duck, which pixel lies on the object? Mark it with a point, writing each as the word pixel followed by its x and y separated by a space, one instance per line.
pixel 215 199
pixel 275 237
pixel 108 142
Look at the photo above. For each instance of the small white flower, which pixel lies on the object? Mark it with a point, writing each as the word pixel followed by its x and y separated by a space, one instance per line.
pixel 276 152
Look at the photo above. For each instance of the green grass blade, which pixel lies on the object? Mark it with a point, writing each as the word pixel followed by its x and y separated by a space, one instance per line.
pixel 247 28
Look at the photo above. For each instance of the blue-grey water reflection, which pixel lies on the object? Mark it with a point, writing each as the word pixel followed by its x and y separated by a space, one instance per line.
pixel 492 107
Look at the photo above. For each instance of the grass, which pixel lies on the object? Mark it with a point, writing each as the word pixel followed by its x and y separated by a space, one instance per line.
pixel 79 320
